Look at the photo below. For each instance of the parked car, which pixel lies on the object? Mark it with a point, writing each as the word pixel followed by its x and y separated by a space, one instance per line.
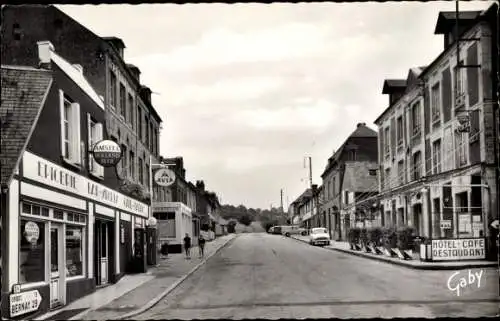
pixel 276 230
pixel 319 236
pixel 270 230
pixel 293 230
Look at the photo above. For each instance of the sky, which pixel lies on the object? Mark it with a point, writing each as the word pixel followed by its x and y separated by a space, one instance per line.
pixel 248 91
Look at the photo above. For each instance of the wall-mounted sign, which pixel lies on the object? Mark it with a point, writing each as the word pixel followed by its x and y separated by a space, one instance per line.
pixel 164 177
pixel 458 249
pixel 24 302
pixel 107 153
pixel 445 224
pixel 31 232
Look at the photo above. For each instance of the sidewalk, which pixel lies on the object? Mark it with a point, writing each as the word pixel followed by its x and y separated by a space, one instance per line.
pixel 136 293
pixel 414 264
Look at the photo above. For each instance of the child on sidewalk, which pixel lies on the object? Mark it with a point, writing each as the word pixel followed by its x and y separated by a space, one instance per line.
pixel 187 246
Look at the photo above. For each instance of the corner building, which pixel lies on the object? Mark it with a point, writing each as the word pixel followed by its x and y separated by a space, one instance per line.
pixel 66 229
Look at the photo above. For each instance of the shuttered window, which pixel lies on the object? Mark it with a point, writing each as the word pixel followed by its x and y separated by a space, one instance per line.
pixel 472 75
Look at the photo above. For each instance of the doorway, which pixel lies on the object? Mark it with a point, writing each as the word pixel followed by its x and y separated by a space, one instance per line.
pixel 57 277
pixel 417 219
pixel 102 252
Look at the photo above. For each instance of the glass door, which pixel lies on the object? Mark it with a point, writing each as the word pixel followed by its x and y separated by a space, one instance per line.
pixel 56 267
pixel 104 253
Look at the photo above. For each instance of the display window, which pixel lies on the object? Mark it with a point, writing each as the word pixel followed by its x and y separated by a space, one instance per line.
pixel 33 241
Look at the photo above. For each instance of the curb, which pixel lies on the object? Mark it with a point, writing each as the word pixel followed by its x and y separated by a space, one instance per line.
pixel 410 266
pixel 158 298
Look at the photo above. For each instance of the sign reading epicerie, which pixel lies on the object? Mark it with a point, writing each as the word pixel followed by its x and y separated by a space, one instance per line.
pixel 458 249
pixel 46 172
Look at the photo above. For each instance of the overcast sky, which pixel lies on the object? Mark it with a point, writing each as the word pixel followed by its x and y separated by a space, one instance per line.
pixel 247 91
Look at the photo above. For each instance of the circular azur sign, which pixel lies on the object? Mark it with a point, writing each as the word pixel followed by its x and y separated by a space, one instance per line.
pixel 164 177
pixel 31 232
pixel 107 153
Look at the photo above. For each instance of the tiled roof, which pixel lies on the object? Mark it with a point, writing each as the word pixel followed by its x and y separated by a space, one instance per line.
pixel 24 91
pixel 447 18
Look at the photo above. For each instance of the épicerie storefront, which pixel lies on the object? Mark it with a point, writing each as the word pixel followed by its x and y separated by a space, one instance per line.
pixel 67 235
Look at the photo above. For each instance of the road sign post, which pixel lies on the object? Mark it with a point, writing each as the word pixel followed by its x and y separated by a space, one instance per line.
pixel 24 302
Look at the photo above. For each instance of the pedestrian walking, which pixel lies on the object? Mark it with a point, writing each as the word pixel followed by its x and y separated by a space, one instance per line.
pixel 187 246
pixel 201 245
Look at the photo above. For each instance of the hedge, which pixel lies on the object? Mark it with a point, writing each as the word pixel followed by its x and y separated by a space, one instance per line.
pixel 389 237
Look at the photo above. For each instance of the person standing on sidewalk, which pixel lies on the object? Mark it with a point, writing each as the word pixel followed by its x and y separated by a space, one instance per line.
pixel 201 245
pixel 187 246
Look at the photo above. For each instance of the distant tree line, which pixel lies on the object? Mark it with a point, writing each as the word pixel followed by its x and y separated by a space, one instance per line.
pixel 245 216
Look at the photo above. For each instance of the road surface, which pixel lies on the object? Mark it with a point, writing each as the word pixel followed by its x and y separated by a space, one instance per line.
pixel 270 276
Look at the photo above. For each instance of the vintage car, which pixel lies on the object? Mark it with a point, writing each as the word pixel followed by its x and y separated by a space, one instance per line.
pixel 319 236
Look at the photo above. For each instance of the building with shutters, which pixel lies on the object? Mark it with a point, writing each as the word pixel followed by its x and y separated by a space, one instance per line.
pixel 67 228
pixel 437 147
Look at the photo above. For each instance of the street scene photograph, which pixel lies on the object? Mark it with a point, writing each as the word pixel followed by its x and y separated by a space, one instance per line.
pixel 250 160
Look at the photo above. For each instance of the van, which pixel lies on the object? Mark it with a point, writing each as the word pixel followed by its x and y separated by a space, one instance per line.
pixel 292 230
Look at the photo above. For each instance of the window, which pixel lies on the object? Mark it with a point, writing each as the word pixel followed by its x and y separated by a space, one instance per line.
pixel 372 172
pixel 460 149
pixel 352 155
pixel 146 131
pixel 124 159
pixel 112 88
pixel 139 122
pixel 70 129
pixel 401 172
pixel 132 165
pixel 32 251
pixel 150 142
pixel 461 79
pixel 94 131
pixel 417 165
pixel 387 144
pixel 74 251
pixel 141 171
pixel 388 178
pixel 400 131
pixel 147 176
pixel 123 101
pixel 415 119
pixel 436 103
pixel 436 157
pixel 131 110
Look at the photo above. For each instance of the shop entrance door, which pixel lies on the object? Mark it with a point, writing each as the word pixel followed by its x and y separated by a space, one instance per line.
pixel 102 252
pixel 57 287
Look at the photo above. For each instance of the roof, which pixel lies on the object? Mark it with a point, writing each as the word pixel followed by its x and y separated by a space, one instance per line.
pixel 77 76
pixel 24 91
pixel 391 85
pixel 446 19
pixel 361 131
pixel 115 40
pixel 358 179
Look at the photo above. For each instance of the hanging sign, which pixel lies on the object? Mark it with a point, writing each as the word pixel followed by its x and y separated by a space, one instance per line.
pixel 31 232
pixel 24 302
pixel 164 177
pixel 107 153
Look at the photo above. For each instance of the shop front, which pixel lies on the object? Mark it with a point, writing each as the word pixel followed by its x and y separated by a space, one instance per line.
pixel 63 237
pixel 174 220
pixel 459 209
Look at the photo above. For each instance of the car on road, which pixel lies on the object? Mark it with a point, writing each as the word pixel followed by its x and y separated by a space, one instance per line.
pixel 275 230
pixel 293 230
pixel 319 236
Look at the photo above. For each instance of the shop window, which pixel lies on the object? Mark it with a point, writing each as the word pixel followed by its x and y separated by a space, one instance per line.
pixel 74 251
pixel 58 215
pixel 32 252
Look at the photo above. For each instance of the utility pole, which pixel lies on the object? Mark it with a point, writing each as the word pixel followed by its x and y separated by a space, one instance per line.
pixel 310 172
pixel 281 201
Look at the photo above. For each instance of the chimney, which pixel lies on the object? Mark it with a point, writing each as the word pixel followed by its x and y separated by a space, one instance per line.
pixel 79 68
pixel 360 124
pixel 145 94
pixel 200 185
pixel 45 49
pixel 135 71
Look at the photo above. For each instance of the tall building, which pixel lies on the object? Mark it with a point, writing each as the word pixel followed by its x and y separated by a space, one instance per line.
pixel 437 141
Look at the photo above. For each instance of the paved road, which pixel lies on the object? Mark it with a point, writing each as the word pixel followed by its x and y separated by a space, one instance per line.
pixel 270 276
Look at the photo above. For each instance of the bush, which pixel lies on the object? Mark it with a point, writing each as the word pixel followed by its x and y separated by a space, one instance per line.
pixel 375 236
pixel 353 235
pixel 405 237
pixel 363 236
pixel 389 237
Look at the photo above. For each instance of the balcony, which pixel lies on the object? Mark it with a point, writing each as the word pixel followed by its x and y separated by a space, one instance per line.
pixel 459 100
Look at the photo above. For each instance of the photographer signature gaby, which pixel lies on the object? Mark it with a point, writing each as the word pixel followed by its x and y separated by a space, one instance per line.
pixel 457 282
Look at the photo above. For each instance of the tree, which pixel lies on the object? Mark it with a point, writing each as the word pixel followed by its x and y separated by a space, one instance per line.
pixel 245 219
